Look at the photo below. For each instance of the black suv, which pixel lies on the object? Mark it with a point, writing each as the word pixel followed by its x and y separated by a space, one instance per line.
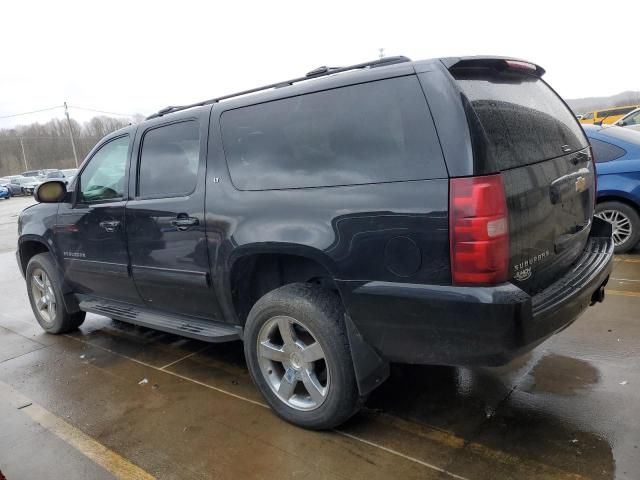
pixel 431 212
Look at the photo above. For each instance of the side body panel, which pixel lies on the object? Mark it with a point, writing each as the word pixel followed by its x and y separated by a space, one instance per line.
pixel 357 232
pixel 93 254
pixel 170 263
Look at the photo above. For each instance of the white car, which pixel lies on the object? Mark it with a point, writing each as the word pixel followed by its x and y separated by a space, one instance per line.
pixel 630 120
pixel 28 184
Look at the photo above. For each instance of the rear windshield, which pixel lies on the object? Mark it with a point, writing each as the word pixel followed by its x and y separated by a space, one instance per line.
pixel 516 119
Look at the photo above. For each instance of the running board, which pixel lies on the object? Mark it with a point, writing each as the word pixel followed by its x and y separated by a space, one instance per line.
pixel 205 330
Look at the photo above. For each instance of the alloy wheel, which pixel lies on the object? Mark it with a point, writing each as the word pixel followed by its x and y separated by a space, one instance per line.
pixel 621 224
pixel 293 363
pixel 43 295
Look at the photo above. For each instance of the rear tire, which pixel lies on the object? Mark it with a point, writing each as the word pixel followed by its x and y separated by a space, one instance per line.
pixel 44 287
pixel 306 373
pixel 625 221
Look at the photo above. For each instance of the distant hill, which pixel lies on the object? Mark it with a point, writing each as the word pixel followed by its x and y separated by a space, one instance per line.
pixel 582 105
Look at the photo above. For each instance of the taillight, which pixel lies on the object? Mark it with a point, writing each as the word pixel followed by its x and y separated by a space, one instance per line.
pixel 478 230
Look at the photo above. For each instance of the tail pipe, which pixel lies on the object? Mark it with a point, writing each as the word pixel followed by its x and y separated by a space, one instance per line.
pixel 598 295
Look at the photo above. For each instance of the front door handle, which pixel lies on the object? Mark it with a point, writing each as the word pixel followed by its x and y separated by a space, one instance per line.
pixel 110 226
pixel 183 222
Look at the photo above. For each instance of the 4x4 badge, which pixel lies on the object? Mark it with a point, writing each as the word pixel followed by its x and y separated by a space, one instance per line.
pixel 522 275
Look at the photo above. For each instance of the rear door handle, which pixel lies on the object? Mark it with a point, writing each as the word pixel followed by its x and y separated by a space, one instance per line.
pixel 182 223
pixel 110 226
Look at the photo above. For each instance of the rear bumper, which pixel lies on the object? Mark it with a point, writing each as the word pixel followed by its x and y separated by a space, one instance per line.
pixel 447 325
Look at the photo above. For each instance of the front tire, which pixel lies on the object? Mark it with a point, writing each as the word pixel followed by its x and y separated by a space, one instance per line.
pixel 298 355
pixel 44 287
pixel 625 222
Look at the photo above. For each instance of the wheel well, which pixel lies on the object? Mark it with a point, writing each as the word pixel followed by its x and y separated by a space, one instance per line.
pixel 28 249
pixel 626 201
pixel 255 275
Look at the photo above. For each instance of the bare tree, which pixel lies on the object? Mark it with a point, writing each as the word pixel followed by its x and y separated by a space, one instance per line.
pixel 47 145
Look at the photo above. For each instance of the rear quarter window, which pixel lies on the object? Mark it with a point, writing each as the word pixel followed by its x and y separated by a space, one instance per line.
pixel 373 132
pixel 516 119
pixel 605 152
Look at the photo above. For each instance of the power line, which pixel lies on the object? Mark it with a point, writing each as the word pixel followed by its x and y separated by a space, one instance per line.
pixel 102 111
pixel 29 113
pixel 70 106
pixel 16 137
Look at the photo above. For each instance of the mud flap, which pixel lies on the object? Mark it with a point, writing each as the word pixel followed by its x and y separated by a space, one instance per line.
pixel 370 368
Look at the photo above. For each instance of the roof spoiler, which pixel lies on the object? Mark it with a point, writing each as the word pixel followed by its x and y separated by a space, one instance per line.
pixel 497 63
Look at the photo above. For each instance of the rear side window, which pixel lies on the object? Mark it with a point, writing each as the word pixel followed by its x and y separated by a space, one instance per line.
pixel 374 132
pixel 169 160
pixel 605 152
pixel 516 119
pixel 615 111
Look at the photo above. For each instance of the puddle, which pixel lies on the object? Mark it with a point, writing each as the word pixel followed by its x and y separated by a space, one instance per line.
pixel 562 375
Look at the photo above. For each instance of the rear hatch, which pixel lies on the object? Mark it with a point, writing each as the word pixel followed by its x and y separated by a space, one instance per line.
pixel 521 128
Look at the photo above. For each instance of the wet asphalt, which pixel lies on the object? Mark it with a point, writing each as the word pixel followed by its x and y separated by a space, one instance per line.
pixel 112 397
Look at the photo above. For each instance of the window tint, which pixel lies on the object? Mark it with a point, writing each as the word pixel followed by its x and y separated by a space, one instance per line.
pixel 516 119
pixel 605 152
pixel 169 160
pixel 633 119
pixel 374 132
pixel 614 111
pixel 103 177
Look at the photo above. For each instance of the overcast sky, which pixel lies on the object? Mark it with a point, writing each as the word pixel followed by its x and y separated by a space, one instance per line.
pixel 131 56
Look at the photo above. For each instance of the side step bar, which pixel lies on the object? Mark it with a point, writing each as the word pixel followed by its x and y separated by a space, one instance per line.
pixel 205 330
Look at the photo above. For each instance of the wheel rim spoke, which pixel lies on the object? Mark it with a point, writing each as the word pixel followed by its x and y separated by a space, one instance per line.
pixel 272 352
pixel 39 283
pixel 621 224
pixel 286 331
pixel 316 391
pixel 43 295
pixel 312 353
pixel 293 363
pixel 286 388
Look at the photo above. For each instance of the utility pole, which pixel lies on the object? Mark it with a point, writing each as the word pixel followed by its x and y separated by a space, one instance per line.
pixel 381 52
pixel 24 157
pixel 73 144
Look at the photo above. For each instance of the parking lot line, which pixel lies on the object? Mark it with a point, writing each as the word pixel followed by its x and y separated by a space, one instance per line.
pixel 185 357
pixel 406 457
pixel 624 293
pixel 115 464
pixel 627 260
pixel 440 436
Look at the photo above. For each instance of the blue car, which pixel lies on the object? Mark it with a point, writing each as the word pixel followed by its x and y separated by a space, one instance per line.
pixel 617 154
pixel 4 192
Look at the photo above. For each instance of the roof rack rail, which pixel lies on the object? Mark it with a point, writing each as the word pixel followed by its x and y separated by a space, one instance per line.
pixel 316 73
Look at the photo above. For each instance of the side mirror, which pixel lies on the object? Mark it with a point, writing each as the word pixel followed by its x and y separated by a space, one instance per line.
pixel 621 123
pixel 52 191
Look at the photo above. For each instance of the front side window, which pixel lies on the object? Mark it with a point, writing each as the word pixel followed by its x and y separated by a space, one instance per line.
pixel 104 177
pixel 169 160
